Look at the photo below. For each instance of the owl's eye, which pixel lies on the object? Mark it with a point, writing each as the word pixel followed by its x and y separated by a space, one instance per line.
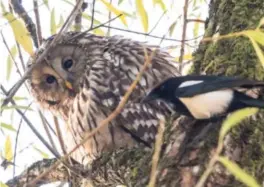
pixel 67 64
pixel 50 79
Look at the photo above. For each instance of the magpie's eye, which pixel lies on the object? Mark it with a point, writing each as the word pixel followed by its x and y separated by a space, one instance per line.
pixel 50 79
pixel 67 64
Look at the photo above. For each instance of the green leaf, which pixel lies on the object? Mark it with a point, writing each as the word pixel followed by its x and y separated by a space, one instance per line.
pixel 258 51
pixel 261 23
pixel 3 184
pixel 9 66
pixel 20 32
pixel 99 32
pixel 238 172
pixel 60 22
pixel 120 1
pixel 115 11
pixel 46 2
pixel 234 120
pixel 171 29
pixel 86 16
pixel 160 3
pixel 196 27
pixel 43 154
pixel 16 107
pixel 52 22
pixel 7 126
pixel 8 149
pixel 143 14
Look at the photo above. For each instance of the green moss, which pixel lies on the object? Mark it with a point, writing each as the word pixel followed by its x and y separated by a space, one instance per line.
pixel 236 57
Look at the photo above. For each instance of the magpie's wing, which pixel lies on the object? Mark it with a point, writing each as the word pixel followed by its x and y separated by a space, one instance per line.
pixel 210 85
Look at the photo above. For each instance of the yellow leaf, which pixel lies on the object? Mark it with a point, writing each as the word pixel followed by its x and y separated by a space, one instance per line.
pixel 20 32
pixel 238 172
pixel 171 29
pixel 160 2
pixel 43 154
pixel 196 27
pixel 117 12
pixel 185 57
pixel 261 23
pixel 52 22
pixel 143 14
pixel 257 35
pixel 99 32
pixel 3 184
pixel 234 120
pixel 8 149
pixel 258 51
pixel 9 65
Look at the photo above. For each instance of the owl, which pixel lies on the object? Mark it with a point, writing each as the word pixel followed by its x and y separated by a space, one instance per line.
pixel 82 80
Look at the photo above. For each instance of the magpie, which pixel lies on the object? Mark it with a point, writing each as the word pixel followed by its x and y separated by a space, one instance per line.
pixel 205 96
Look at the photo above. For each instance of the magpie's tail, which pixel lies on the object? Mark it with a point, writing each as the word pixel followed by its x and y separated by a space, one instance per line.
pixel 254 102
pixel 241 101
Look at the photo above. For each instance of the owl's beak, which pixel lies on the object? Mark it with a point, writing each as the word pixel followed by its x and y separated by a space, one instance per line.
pixel 68 85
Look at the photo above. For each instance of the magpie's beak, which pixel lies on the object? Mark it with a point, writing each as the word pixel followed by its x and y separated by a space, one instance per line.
pixel 68 85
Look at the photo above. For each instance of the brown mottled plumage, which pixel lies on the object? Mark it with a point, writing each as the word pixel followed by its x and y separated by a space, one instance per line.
pixel 101 70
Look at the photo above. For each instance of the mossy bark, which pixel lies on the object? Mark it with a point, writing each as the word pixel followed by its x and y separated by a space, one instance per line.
pixel 236 57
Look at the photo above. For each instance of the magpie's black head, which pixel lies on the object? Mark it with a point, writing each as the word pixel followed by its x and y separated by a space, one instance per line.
pixel 163 91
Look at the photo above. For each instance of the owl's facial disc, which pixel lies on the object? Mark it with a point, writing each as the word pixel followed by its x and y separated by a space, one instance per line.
pixel 57 80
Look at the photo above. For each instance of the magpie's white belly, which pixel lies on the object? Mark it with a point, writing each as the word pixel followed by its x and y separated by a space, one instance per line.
pixel 206 105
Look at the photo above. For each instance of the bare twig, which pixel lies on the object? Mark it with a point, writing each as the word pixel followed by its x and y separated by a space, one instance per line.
pixel 210 166
pixel 19 9
pixel 195 20
pixel 15 149
pixel 43 120
pixel 59 135
pixel 104 122
pixel 185 11
pixel 157 23
pixel 8 49
pixel 32 127
pixel 109 17
pixel 39 35
pixel 78 20
pixel 153 36
pixel 156 155
pixel 93 11
pixel 96 27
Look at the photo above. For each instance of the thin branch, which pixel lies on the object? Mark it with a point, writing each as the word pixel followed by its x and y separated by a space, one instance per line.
pixel 47 130
pixel 156 155
pixel 19 9
pixel 153 36
pixel 93 11
pixel 15 149
pixel 104 122
pixel 59 135
pixel 195 20
pixel 109 24
pixel 78 20
pixel 8 49
pixel 157 23
pixel 184 28
pixel 39 35
pixel 32 127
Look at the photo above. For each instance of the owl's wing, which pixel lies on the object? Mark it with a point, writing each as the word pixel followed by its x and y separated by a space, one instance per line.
pixel 142 121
